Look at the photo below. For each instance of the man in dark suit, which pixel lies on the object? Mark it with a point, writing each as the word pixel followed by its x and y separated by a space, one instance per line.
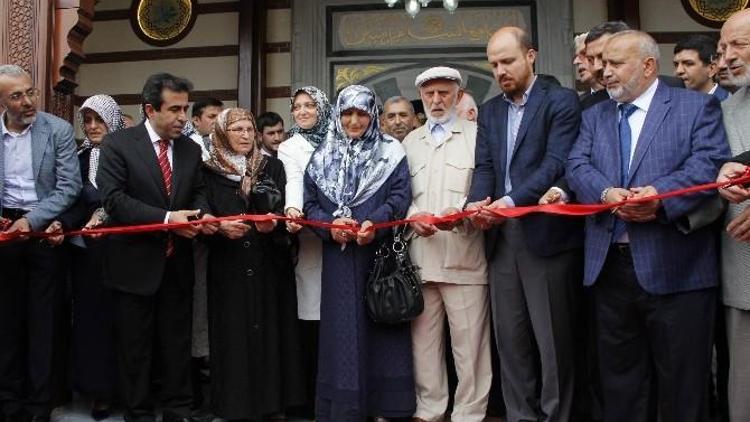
pixel 694 63
pixel 151 173
pixel 524 136
pixel 39 179
pixel 655 291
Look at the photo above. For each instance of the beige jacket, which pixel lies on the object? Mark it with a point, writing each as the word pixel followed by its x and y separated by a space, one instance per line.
pixel 440 179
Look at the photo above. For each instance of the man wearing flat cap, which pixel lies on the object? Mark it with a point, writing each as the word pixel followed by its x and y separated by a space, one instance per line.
pixel 451 257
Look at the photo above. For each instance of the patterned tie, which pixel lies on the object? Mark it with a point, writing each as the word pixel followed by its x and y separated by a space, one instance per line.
pixel 166 173
pixel 626 109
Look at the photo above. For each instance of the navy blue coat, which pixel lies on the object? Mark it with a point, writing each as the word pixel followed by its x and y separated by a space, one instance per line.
pixel 547 132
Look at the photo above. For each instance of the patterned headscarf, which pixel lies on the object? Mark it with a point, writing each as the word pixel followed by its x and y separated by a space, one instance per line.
pixel 223 160
pixel 106 107
pixel 349 171
pixel 316 134
pixel 188 129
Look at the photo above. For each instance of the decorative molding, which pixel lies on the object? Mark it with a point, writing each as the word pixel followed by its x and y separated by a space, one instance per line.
pixel 713 13
pixel 72 26
pixel 162 54
pixel 168 29
pixel 124 14
pixel 25 40
pixel 21 30
pixel 135 99
pixel 277 92
pixel 61 105
pixel 277 47
pixel 674 37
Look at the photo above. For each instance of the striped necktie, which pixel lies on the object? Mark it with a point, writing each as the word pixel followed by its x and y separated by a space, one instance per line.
pixel 166 173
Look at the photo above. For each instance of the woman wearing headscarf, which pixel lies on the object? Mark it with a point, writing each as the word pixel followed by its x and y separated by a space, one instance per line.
pixel 311 112
pixel 358 176
pixel 255 355
pixel 92 334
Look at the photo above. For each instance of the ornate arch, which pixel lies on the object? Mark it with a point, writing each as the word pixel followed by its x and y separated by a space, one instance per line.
pixel 71 25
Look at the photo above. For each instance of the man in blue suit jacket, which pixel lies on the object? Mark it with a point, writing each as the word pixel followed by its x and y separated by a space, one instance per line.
pixel 39 179
pixel 523 139
pixel 655 291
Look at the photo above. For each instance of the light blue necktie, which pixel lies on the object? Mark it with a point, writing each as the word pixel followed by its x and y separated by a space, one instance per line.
pixel 438 133
pixel 626 109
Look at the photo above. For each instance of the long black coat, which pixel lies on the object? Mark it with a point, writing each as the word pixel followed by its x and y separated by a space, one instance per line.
pixel 256 361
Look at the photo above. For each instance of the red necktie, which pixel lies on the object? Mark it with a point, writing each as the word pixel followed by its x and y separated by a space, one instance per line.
pixel 166 172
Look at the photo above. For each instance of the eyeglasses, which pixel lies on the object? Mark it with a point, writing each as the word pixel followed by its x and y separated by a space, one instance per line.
pixel 32 94
pixel 248 130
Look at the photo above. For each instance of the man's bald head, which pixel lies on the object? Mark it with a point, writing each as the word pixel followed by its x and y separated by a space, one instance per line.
pixel 467 108
pixel 734 47
pixel 631 64
pixel 518 35
pixel 511 54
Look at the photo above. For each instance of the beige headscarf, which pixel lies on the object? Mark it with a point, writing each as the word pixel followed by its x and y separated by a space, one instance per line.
pixel 223 160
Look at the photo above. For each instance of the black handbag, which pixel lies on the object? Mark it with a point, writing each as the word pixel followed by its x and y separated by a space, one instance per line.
pixel 394 288
pixel 266 196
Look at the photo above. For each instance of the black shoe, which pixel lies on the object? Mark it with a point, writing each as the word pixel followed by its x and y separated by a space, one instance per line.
pixel 202 415
pixel 100 410
pixel 171 417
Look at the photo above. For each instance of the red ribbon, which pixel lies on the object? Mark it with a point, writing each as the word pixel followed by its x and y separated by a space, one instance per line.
pixel 556 209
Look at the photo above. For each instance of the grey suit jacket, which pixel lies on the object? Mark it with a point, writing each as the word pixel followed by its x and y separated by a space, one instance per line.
pixel 735 256
pixel 56 170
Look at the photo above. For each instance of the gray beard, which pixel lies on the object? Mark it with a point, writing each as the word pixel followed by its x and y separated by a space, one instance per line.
pixel 28 120
pixel 446 117
pixel 740 81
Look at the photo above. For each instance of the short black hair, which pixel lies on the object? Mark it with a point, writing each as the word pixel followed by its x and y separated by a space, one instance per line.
pixel 155 84
pixel 268 119
pixel 703 44
pixel 200 105
pixel 604 28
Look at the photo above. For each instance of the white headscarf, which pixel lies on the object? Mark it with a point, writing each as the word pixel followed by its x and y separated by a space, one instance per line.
pixel 109 111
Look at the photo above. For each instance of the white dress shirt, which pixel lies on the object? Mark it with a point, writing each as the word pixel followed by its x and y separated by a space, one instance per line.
pixel 636 120
pixel 19 184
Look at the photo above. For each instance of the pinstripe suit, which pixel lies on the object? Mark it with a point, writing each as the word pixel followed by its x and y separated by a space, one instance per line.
pixel 655 300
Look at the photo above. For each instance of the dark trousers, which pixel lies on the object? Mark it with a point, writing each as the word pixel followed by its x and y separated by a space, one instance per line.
pixel 533 299
pixel 155 331
pixel 94 365
pixel 654 350
pixel 309 331
pixel 30 304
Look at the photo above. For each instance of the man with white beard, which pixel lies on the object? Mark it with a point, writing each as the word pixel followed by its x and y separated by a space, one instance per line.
pixel 735 269
pixel 452 261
